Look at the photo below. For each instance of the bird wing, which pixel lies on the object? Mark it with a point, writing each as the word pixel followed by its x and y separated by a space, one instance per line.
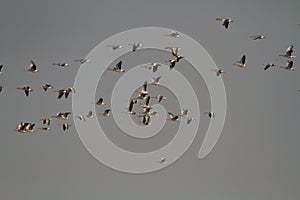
pixel 60 94
pixel 32 65
pixel 119 65
pixel 243 59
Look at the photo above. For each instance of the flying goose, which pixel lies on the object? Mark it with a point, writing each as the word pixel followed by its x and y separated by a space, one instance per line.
pixel 155 81
pixel 218 71
pixel 242 62
pixel 115 46
pixel 225 21
pixel 32 68
pixel 172 117
pixel 61 64
pixel 288 53
pixel 172 63
pixel 210 114
pixel 135 46
pixel 288 66
pixel 90 115
pixel 82 60
pixel 116 68
pixel 153 65
pixel 159 98
pixel 65 126
pixel 105 113
pixel 163 161
pixel 46 121
pixel 146 103
pixel 146 120
pixel 100 102
pixel 130 108
pixel 257 37
pixel 143 90
pixel 268 65
pixel 60 115
pixel 46 87
pixel 26 89
pixel 173 34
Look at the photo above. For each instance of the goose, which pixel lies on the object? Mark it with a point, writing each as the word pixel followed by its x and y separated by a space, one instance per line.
pixel 163 161
pixel 146 120
pixel 1 67
pixel 116 68
pixel 32 68
pixel 173 34
pixel 288 66
pixel 130 108
pixel 257 37
pixel 210 114
pixel 218 71
pixel 115 46
pixel 172 117
pixel 60 115
pixel 242 62
pixel 21 127
pixel 159 98
pixel 184 113
pixel 26 89
pixel 61 64
pixel 80 117
pixel 106 113
pixel 82 60
pixel 100 102
pixel 146 103
pixel 155 81
pixel 189 119
pixel 288 53
pixel 46 87
pixel 143 90
pixel 135 46
pixel 172 63
pixel 153 65
pixel 65 126
pixel 46 121
pixel 225 21
pixel 90 115
pixel 268 65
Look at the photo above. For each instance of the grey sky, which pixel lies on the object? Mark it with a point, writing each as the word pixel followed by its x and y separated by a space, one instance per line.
pixel 257 156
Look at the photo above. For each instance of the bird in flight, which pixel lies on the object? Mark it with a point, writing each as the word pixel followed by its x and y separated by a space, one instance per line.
pixel 1 72
pixel 143 90
pixel 146 120
pixel 225 21
pixel 155 81
pixel 46 87
pixel 218 71
pixel 65 126
pixel 242 62
pixel 46 121
pixel 100 102
pixel 130 108
pixel 172 63
pixel 210 114
pixel 288 66
pixel 60 115
pixel 106 113
pixel 173 34
pixel 172 117
pixel 116 68
pixel 135 46
pixel 32 68
pixel 153 65
pixel 288 53
pixel 26 89
pixel 61 64
pixel 82 60
pixel 268 65
pixel 257 37
pixel 115 46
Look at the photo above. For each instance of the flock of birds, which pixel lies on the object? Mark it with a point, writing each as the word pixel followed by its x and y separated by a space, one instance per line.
pixel 142 101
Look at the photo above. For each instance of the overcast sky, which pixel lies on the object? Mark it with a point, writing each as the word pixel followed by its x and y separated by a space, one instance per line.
pixel 257 156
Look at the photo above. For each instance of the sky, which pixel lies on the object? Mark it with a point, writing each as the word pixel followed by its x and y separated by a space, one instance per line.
pixel 256 156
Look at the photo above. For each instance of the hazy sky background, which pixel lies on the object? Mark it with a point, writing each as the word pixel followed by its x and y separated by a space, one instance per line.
pixel 257 156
